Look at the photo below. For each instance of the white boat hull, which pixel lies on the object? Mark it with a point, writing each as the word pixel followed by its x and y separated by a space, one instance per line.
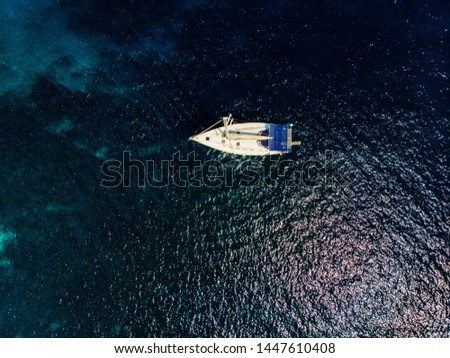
pixel 250 139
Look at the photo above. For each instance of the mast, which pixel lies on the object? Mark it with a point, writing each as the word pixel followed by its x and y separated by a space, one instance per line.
pixel 226 122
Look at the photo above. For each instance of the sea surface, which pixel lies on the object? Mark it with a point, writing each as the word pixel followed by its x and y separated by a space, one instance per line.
pixel 350 238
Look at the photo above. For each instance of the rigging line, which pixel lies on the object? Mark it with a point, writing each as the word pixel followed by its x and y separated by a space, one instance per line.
pixel 207 129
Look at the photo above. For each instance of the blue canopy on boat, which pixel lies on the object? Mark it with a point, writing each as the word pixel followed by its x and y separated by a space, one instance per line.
pixel 281 137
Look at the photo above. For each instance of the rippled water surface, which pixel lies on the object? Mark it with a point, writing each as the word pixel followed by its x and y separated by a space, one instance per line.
pixel 358 248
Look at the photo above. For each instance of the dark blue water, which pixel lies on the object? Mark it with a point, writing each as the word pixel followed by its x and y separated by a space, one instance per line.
pixel 366 85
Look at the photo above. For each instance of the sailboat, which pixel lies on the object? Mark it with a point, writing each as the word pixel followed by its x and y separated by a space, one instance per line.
pixel 250 138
